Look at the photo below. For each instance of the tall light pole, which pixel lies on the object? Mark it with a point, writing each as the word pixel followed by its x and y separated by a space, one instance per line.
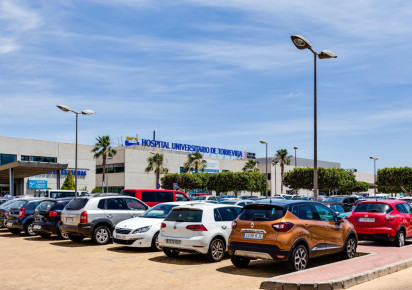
pixel 374 172
pixel 266 162
pixel 84 112
pixel 275 163
pixel 302 43
pixel 296 148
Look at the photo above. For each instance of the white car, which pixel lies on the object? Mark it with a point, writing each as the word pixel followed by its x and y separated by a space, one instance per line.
pixel 239 202
pixel 198 228
pixel 143 231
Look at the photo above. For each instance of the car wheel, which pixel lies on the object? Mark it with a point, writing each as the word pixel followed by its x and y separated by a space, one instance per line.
pixel 216 250
pixel 349 250
pixel 240 262
pixel 171 253
pixel 75 238
pixel 63 236
pixel 299 259
pixel 101 235
pixel 15 231
pixel 155 243
pixel 45 235
pixel 400 239
pixel 28 229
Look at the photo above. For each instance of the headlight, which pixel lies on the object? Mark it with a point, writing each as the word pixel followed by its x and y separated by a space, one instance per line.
pixel 141 230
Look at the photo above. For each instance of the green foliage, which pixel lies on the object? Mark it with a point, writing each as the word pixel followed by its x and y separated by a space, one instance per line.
pixel 195 161
pixel 97 190
pixel 155 163
pixel 103 149
pixel 283 158
pixel 329 179
pixel 251 166
pixel 395 180
pixel 68 183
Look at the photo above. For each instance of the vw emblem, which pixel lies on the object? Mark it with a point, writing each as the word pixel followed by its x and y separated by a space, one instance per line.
pixel 252 224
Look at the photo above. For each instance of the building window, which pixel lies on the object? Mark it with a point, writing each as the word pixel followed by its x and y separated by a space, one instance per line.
pixel 25 158
pixel 110 168
pixel 114 189
pixel 7 158
pixel 43 159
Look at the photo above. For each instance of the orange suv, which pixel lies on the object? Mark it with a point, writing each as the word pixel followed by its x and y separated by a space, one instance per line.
pixel 291 231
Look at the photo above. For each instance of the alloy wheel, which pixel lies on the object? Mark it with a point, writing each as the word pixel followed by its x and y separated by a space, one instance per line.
pixel 102 236
pixel 351 248
pixel 401 239
pixel 300 258
pixel 157 243
pixel 217 250
pixel 65 236
pixel 30 229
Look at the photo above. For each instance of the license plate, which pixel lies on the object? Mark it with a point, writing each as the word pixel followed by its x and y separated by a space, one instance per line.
pixel 36 227
pixel 69 220
pixel 121 237
pixel 253 236
pixel 368 220
pixel 173 242
pixel 9 224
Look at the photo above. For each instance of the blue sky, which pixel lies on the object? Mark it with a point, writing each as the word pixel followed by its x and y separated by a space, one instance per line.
pixel 212 73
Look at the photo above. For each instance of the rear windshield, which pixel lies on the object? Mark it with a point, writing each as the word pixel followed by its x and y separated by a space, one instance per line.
pixel 77 203
pixel 228 202
pixel 45 206
pixel 198 198
pixel 7 204
pixel 373 207
pixel 158 211
pixel 334 199
pixel 185 215
pixel 18 204
pixel 261 213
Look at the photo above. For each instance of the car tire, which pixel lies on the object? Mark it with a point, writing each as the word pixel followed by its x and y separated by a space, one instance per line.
pixel 75 238
pixel 399 239
pixel 28 229
pixel 240 262
pixel 171 253
pixel 155 243
pixel 101 235
pixel 349 250
pixel 15 231
pixel 46 236
pixel 299 258
pixel 63 236
pixel 216 251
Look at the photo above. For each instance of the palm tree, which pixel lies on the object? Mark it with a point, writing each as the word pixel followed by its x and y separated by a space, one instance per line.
pixel 155 163
pixel 251 166
pixel 283 158
pixel 103 149
pixel 195 161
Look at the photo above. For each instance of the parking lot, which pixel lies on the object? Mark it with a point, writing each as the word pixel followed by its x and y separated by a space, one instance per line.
pixel 38 263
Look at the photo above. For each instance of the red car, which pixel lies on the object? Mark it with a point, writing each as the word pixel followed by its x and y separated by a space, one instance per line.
pixel 152 197
pixel 383 220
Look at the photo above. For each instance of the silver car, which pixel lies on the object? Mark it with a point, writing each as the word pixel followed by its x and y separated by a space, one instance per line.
pixel 96 216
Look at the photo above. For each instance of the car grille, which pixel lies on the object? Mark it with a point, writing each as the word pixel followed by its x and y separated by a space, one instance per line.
pixel 123 231
pixel 123 242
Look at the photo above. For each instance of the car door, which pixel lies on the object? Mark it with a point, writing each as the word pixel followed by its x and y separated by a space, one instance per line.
pixel 116 210
pixel 224 217
pixel 333 231
pixel 136 207
pixel 315 230
pixel 409 213
pixel 406 221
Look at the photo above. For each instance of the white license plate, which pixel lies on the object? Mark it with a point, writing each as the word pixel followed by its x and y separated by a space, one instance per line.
pixel 173 242
pixel 69 220
pixel 367 220
pixel 121 237
pixel 253 236
pixel 36 227
pixel 9 224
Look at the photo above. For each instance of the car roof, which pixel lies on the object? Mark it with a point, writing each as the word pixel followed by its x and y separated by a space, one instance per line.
pixel 178 203
pixel 205 205
pixel 283 202
pixel 332 202
pixel 387 201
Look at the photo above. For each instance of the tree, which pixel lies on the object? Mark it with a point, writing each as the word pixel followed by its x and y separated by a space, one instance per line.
pixel 68 183
pixel 103 149
pixel 251 165
pixel 395 180
pixel 284 159
pixel 97 190
pixel 195 161
pixel 155 163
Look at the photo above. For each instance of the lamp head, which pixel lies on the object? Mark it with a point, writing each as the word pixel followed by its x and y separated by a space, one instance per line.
pixel 64 108
pixel 263 141
pixel 300 42
pixel 295 148
pixel 326 54
pixel 88 112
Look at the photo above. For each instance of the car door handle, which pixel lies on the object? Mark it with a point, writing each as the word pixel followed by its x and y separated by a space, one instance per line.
pixel 224 227
pixel 109 215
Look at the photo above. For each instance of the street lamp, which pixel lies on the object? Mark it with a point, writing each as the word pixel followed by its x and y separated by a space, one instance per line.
pixel 374 172
pixel 296 148
pixel 266 162
pixel 84 112
pixel 302 43
pixel 275 163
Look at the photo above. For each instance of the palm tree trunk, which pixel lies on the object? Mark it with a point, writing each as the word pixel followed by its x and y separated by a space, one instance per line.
pixel 104 171
pixel 157 176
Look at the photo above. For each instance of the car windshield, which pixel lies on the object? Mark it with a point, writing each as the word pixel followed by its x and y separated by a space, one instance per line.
pixel 18 204
pixel 159 211
pixel 373 207
pixel 77 203
pixel 260 212
pixel 229 202
pixel 45 205
pixel 334 199
pixel 198 198
pixel 337 208
pixel 7 204
pixel 185 215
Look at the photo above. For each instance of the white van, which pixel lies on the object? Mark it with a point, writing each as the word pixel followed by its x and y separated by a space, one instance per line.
pixel 57 193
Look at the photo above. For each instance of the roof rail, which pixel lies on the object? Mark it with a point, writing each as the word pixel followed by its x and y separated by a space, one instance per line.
pixel 105 194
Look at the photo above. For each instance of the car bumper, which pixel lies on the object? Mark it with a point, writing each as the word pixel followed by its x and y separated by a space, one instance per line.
pixel 13 224
pixel 258 251
pixel 197 244
pixel 377 234
pixel 136 240
pixel 84 230
pixel 49 228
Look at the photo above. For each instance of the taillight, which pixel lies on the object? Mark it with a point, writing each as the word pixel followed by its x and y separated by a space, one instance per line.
pixel 53 213
pixel 390 217
pixel 282 227
pixel 163 225
pixel 22 212
pixel 83 217
pixel 234 224
pixel 197 228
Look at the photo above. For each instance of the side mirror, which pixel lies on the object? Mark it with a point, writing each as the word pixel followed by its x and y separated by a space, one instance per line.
pixel 339 220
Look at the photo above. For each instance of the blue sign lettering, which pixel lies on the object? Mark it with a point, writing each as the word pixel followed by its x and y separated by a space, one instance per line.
pixel 37 184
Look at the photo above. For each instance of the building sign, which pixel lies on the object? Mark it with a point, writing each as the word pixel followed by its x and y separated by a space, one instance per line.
pixel 66 172
pixel 37 184
pixel 183 147
pixel 250 155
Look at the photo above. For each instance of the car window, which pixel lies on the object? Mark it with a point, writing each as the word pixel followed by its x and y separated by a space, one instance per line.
pixel 148 196
pixel 116 204
pixel 77 203
pixel 134 204
pixel 307 212
pixel 260 212
pixel 295 210
pixel 407 207
pixel 400 208
pixel 241 204
pixel 32 205
pixel 227 214
pixel 180 197
pixel 101 204
pixel 60 205
pixel 237 210
pixel 218 217
pixel 45 206
pixel 185 215
pixel 325 214
pixel 373 207
pixel 162 196
pixel 337 208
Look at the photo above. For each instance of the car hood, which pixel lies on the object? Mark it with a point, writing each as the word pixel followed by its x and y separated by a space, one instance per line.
pixel 138 222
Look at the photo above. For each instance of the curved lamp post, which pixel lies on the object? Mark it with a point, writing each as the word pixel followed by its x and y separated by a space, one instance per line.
pixel 84 112
pixel 302 43
pixel 266 162
pixel 374 172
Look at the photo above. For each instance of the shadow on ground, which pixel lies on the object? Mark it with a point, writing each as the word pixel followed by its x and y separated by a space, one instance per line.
pixel 71 244
pixel 41 239
pixel 10 235
pixel 130 250
pixel 182 259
